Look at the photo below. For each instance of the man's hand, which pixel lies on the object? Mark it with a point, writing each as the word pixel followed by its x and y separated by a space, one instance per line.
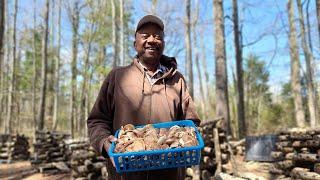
pixel 107 145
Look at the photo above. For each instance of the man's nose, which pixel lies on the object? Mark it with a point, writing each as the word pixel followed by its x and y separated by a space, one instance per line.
pixel 151 39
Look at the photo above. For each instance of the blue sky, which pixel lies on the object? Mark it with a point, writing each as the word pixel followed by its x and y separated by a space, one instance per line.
pixel 264 20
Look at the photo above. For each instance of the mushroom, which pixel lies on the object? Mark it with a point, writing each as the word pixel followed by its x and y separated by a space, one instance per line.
pixel 163 132
pixel 162 140
pixel 137 145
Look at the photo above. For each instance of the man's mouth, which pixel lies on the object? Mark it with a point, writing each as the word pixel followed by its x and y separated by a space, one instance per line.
pixel 152 48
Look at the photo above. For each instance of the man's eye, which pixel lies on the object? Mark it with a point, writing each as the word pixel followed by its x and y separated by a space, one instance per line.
pixel 157 36
pixel 144 36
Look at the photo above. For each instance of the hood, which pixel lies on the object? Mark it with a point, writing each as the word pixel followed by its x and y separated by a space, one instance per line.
pixel 169 62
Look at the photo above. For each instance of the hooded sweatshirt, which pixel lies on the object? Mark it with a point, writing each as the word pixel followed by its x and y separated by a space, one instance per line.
pixel 126 96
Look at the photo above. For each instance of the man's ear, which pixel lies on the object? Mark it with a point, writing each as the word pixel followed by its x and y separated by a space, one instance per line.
pixel 134 44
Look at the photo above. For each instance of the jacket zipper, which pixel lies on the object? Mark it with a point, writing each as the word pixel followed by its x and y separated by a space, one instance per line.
pixel 150 106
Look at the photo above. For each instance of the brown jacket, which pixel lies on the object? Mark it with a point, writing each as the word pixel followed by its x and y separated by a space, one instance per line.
pixel 126 96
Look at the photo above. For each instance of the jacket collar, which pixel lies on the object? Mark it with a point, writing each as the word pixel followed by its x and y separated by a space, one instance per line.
pixel 169 62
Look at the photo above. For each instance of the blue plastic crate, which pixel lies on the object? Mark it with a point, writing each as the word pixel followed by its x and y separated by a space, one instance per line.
pixel 159 159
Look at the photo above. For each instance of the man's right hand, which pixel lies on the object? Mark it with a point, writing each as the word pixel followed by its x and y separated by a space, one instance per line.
pixel 107 145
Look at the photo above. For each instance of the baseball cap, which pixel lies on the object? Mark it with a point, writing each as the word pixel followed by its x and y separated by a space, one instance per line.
pixel 150 19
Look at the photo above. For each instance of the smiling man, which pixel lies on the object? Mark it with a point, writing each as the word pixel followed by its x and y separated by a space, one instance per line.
pixel 150 90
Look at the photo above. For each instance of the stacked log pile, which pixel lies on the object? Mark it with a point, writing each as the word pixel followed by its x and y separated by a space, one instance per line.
pixel 85 163
pixel 238 147
pixel 50 152
pixel 215 155
pixel 13 147
pixel 297 154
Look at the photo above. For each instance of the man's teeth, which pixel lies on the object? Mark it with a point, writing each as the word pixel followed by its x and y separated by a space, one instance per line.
pixel 151 48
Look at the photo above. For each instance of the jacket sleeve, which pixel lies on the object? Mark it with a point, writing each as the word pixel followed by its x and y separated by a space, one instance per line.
pixel 188 106
pixel 100 120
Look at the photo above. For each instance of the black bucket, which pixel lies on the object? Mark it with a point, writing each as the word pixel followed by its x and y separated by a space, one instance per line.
pixel 259 148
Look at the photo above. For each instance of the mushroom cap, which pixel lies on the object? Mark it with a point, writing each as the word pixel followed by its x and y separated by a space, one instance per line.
pixel 137 145
pixel 128 127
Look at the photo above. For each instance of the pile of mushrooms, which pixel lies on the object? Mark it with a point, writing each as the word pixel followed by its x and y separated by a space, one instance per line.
pixel 131 139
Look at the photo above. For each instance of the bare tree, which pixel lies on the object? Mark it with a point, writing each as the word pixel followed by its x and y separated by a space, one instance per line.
pixel 188 47
pixel 242 130
pixel 197 59
pixel 74 16
pixel 122 57
pixel 312 98
pixel 295 69
pixel 222 103
pixel 57 74
pixel 84 89
pixel 309 27
pixel 34 79
pixel 154 6
pixel 2 30
pixel 44 60
pixel 12 76
pixel 318 15
pixel 114 34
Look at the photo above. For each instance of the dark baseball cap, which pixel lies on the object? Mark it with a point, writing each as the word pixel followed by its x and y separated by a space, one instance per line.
pixel 150 19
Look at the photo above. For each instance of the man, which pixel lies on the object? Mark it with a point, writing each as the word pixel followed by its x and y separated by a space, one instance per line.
pixel 148 91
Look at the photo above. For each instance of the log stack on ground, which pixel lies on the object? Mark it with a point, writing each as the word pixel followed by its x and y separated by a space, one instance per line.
pixel 13 148
pixel 297 154
pixel 215 155
pixel 50 152
pixel 85 163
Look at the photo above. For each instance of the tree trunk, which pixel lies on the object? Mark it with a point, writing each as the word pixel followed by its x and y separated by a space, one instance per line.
pixel 42 104
pixel 240 96
pixel 2 30
pixel 6 63
pixel 12 75
pixel 75 15
pixel 154 6
pixel 318 16
pixel 295 69
pixel 309 27
pixel 188 48
pixel 222 104
pixel 57 75
pixel 84 88
pixel 312 98
pixel 34 79
pixel 51 67
pixel 197 59
pixel 206 74
pixel 122 60
pixel 114 35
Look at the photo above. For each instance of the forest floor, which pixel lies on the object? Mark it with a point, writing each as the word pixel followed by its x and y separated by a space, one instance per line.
pixel 251 169
pixel 24 170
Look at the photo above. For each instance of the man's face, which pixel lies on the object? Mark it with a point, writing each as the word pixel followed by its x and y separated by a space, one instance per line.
pixel 149 43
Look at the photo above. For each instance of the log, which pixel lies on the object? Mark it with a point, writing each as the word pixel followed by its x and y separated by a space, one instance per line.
pixel 274 170
pixel 300 136
pixel 289 156
pixel 316 168
pixel 286 164
pixel 210 122
pixel 224 176
pixel 217 150
pixel 205 175
pixel 306 157
pixel 277 155
pixel 284 143
pixel 303 173
pixel 283 137
pixel 234 144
